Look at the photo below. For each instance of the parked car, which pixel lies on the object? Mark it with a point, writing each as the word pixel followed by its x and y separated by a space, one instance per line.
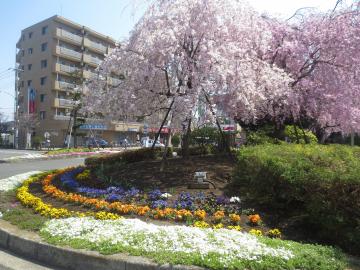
pixel 146 142
pixel 125 143
pixel 97 142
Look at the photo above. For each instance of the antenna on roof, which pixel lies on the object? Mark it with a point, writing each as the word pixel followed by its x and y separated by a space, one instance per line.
pixel 60 8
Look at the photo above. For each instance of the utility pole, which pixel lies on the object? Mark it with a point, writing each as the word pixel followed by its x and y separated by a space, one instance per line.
pixel 16 112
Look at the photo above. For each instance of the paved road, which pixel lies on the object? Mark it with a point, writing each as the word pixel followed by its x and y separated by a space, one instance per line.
pixel 9 261
pixel 10 169
pixel 6 153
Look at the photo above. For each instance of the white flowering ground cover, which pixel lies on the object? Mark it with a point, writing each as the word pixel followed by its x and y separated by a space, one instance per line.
pixel 26 156
pixel 215 249
pixel 13 181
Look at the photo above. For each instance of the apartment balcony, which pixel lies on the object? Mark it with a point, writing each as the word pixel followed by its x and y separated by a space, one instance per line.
pixel 110 50
pixel 95 46
pixel 113 81
pixel 90 75
pixel 68 36
pixel 66 68
pixel 68 53
pixel 59 85
pixel 92 60
pixel 18 57
pixel 63 103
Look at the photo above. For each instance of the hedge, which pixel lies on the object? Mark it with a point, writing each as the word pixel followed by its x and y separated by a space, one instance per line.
pixel 319 183
pixel 125 157
pixel 144 154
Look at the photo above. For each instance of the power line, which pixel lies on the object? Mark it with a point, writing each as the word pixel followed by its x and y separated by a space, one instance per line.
pixel 4 71
pixel 6 76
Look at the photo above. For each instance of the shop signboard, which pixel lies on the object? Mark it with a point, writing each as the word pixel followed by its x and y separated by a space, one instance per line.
pixel 94 126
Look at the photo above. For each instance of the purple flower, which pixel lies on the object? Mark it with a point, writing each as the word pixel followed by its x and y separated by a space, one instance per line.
pixel 154 194
pixel 159 204
pixel 113 197
pixel 222 200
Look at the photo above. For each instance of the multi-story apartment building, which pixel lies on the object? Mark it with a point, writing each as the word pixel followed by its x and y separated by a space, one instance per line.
pixel 53 57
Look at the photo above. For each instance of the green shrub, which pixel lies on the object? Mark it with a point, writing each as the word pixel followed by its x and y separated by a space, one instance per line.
pixel 317 182
pixel 175 140
pixel 123 157
pixel 205 136
pixel 199 150
pixel 36 142
pixel 85 175
pixel 290 132
pixel 263 135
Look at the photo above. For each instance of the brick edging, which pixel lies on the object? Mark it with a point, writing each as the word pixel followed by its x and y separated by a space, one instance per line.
pixel 30 245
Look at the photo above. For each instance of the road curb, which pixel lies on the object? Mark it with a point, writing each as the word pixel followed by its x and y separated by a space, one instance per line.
pixel 30 245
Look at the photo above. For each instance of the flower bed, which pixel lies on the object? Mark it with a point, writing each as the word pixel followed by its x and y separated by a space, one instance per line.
pixel 220 215
pixel 13 181
pixel 47 210
pixel 215 249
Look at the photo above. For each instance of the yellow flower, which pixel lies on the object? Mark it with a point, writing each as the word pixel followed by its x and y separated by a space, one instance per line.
pixel 102 215
pixel 218 226
pixel 274 233
pixel 236 228
pixel 256 232
pixel 201 224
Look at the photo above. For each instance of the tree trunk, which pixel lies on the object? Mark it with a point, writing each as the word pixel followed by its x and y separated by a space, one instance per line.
pixel 224 141
pixel 303 132
pixel 186 141
pixel 164 157
pixel 162 124
pixel 296 134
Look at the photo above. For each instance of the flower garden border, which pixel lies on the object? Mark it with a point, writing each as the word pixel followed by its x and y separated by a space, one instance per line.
pixel 30 245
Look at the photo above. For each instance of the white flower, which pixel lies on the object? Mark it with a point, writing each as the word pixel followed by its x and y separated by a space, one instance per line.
pixel 225 245
pixel 235 200
pixel 166 195
pixel 11 182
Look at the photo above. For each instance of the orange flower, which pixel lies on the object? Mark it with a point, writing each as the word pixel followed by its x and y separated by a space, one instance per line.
pixel 234 218
pixel 254 219
pixel 200 214
pixel 219 215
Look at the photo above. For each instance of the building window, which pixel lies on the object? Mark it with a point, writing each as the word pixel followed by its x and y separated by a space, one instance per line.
pixel 44 47
pixel 22 83
pixel 30 51
pixel 29 83
pixel 29 66
pixel 42 115
pixel 44 30
pixel 43 63
pixel 22 67
pixel 42 80
pixel 22 52
pixel 42 97
pixel 23 37
pixel 30 35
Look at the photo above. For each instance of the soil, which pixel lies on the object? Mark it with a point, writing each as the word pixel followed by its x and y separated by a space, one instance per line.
pixel 177 174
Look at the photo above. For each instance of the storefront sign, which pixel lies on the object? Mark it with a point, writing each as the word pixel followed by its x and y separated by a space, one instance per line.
pixel 228 128
pixel 133 129
pixel 156 130
pixel 94 126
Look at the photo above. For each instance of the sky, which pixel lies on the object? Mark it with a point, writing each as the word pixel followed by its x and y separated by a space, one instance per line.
pixel 114 18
